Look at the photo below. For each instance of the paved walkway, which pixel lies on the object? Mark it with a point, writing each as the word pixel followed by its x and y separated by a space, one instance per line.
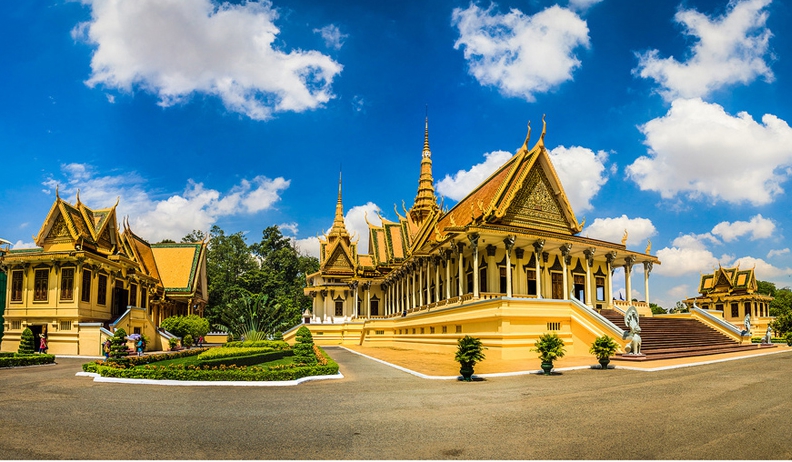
pixel 730 410
pixel 443 364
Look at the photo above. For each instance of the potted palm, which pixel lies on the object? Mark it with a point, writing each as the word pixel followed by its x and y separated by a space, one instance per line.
pixel 603 348
pixel 550 347
pixel 469 352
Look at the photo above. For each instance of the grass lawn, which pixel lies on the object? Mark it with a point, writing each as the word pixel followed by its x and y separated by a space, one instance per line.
pixel 193 360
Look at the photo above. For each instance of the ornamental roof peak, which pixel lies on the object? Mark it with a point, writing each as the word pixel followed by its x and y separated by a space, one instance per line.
pixel 339 228
pixel 425 200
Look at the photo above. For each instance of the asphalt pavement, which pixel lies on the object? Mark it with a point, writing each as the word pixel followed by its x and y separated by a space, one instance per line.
pixel 731 410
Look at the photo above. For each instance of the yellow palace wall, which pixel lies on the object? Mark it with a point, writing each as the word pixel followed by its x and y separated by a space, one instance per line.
pixel 508 327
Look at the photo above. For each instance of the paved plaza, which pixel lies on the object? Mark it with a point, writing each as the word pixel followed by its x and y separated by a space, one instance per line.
pixel 731 410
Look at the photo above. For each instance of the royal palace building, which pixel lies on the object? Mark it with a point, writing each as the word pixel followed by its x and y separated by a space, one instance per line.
pixel 505 264
pixel 85 278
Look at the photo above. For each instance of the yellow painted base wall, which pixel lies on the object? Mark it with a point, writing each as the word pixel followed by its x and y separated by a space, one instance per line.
pixel 508 328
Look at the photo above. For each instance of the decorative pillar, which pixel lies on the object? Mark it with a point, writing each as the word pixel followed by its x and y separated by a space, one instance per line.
pixel 474 237
pixel 448 273
pixel 566 249
pixel 610 257
pixel 520 287
pixel 354 286
pixel 628 263
pixel 647 269
pixel 428 282
pixel 420 289
pixel 436 263
pixel 492 270
pixel 589 253
pixel 538 245
pixel 509 243
pixel 461 276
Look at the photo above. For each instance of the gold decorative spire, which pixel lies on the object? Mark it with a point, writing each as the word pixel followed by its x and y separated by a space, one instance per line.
pixel 339 228
pixel 425 201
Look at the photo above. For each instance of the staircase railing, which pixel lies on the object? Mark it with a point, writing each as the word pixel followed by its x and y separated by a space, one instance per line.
pixel 598 318
pixel 728 327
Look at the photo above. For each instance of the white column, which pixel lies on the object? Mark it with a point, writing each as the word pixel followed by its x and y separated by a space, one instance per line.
pixel 474 254
pixel 460 276
pixel 628 263
pixel 589 253
pixel 565 250
pixel 436 263
pixel 509 243
pixel 647 270
pixel 448 274
pixel 538 246
pixel 609 258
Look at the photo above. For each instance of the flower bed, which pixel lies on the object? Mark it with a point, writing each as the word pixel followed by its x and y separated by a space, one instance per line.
pixel 15 359
pixel 221 372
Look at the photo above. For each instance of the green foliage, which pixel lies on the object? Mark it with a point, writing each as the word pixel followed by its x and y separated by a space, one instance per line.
pixel 215 353
pixel 274 344
pixel 469 351
pixel 118 345
pixel 26 343
pixel 772 340
pixel 187 341
pixel 271 267
pixel 657 309
pixel 765 287
pixel 248 359
pixel 253 316
pixel 25 360
pixel 303 347
pixel 195 236
pixel 550 347
pixel 182 326
pixel 782 303
pixel 131 361
pixel 173 343
pixel 788 338
pixel 680 307
pixel 782 323
pixel 603 347
pixel 215 373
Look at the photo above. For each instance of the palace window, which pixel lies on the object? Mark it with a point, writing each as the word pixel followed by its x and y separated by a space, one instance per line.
pixel 445 329
pixel 458 329
pixel 65 325
pixel 143 297
pixel 422 330
pixel 101 296
pixel 40 286
pixel 431 330
pixel 483 279
pixel 339 308
pixel 503 280
pixel 553 326
pixel 735 310
pixel 67 284
pixel 16 325
pixel 600 283
pixel 85 294
pixel 133 294
pixel 747 308
pixel 557 285
pixel 469 277
pixel 16 286
pixel 719 307
pixel 374 307
pixel 531 282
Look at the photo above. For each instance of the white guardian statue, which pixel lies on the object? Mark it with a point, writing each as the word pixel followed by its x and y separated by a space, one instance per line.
pixel 631 320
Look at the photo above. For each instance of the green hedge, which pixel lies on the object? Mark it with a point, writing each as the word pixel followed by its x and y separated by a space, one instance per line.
pixel 217 353
pixel 274 344
pixel 217 373
pixel 26 360
pixel 148 359
pixel 6 353
pixel 772 340
pixel 247 360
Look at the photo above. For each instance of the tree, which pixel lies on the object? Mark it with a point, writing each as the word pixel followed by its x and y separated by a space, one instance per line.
pixel 182 326
pixel 166 241
pixel 26 343
pixel 782 303
pixel 680 307
pixel 118 346
pixel 253 316
pixel 228 259
pixel 657 309
pixel 195 236
pixel 303 347
pixel 765 287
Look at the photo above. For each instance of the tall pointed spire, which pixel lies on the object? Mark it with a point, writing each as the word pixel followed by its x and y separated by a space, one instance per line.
pixel 339 228
pixel 425 200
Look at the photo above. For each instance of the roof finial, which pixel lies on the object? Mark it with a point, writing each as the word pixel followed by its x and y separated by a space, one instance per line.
pixel 544 130
pixel 57 196
pixel 527 138
pixel 426 151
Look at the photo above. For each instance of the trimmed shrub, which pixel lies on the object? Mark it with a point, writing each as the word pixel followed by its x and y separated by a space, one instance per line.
pixel 26 360
pixel 181 326
pixel 173 343
pixel 26 344
pixel 274 344
pixel 247 360
pixel 217 353
pixel 118 347
pixel 132 361
pixel 303 348
pixel 187 341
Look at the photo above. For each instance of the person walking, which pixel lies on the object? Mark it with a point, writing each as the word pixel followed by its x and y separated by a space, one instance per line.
pixel 43 344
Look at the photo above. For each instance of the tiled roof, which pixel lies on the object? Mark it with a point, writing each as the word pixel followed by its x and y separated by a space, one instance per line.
pixel 177 265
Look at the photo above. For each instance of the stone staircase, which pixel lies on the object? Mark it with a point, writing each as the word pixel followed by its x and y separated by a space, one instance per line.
pixel 666 338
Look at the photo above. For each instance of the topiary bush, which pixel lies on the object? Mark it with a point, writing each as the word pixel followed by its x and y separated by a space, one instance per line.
pixel 187 341
pixel 26 344
pixel 303 348
pixel 118 346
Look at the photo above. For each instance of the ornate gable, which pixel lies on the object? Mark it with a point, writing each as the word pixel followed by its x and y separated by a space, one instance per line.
pixel 535 205
pixel 339 261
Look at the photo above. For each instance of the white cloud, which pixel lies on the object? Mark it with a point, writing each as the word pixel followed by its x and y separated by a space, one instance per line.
pixel 180 47
pixel 699 150
pixel 355 222
pixel 765 271
pixel 777 253
pixel 687 254
pixel 758 227
pixel 195 208
pixel 291 228
pixel 23 245
pixel 520 55
pixel 582 173
pixel 582 5
pixel 332 36
pixel 729 49
pixel 612 230
pixel 462 183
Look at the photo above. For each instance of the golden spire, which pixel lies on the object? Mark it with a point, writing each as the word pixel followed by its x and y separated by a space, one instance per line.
pixel 339 228
pixel 425 201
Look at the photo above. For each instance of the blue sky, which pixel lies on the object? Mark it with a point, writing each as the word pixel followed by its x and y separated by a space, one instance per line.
pixel 668 119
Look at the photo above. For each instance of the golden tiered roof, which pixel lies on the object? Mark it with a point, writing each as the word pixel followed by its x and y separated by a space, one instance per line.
pixel 728 281
pixel 337 251
pixel 68 225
